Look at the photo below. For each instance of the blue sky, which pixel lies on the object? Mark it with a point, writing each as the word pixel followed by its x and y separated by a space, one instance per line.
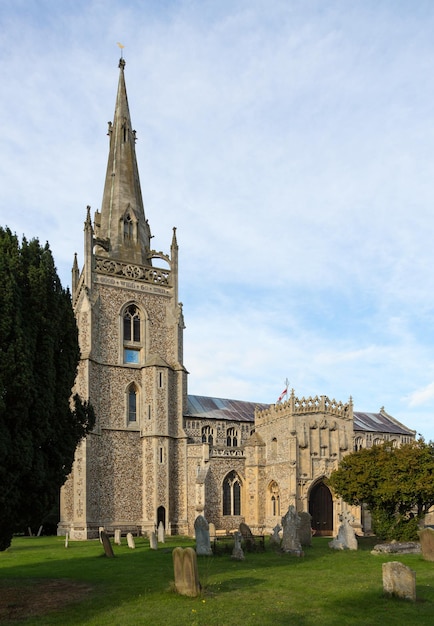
pixel 292 145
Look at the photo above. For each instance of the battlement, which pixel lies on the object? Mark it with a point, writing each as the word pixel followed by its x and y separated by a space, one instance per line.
pixel 309 405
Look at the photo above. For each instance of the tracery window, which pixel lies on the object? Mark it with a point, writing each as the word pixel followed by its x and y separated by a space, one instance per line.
pixel 232 494
pixel 231 438
pixel 132 334
pixel 274 499
pixel 207 435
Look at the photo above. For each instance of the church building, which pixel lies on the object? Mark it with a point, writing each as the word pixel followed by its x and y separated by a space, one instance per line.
pixel 157 453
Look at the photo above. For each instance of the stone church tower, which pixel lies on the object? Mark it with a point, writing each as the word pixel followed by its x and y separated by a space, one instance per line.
pixel 128 472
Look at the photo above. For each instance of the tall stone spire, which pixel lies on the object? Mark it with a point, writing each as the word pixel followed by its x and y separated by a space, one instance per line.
pixel 121 230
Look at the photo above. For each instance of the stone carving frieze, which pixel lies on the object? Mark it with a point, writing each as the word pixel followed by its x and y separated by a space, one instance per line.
pixel 152 275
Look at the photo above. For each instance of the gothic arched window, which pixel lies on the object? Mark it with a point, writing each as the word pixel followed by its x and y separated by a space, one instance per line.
pixel 132 403
pixel 231 438
pixel 232 494
pixel 128 227
pixel 207 435
pixel 274 499
pixel 132 334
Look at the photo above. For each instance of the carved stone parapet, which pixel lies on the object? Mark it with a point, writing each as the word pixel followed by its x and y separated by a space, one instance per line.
pixel 230 452
pixel 152 275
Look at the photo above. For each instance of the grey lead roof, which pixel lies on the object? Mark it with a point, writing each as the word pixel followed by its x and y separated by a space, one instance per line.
pixel 204 407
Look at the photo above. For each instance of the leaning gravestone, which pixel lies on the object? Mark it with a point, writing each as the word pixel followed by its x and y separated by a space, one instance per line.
pixel 275 537
pixel 105 539
pixel 201 530
pixel 237 552
pixel 117 538
pixel 153 543
pixel 186 573
pixel 100 530
pixel 291 540
pixel 426 537
pixel 130 541
pixel 305 530
pixel 399 580
pixel 346 538
pixel 161 535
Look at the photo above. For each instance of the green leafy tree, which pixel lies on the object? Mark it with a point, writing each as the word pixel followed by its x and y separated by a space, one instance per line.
pixel 397 485
pixel 40 425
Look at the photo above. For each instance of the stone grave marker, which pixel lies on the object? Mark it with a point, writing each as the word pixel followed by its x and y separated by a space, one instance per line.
pixel 237 552
pixel 66 539
pixel 153 543
pixel 161 533
pixel 291 539
pixel 305 530
pixel 426 537
pixel 275 537
pixel 248 537
pixel 100 531
pixel 212 530
pixel 399 580
pixel 105 540
pixel 117 538
pixel 186 573
pixel 201 530
pixel 130 541
pixel 346 538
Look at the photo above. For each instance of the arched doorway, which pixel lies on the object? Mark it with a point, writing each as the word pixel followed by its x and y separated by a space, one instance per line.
pixel 321 509
pixel 161 516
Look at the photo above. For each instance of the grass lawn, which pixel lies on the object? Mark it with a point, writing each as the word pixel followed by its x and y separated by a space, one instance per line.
pixel 79 585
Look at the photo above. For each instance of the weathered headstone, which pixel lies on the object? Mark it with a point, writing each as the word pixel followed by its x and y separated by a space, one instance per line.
pixel 426 537
pixel 248 537
pixel 186 573
pixel 130 541
pixel 212 530
pixel 291 540
pixel 305 530
pixel 105 540
pixel 201 530
pixel 161 534
pixel 153 543
pixel 399 580
pixel 346 537
pixel 117 538
pixel 66 539
pixel 237 552
pixel 275 537
pixel 100 531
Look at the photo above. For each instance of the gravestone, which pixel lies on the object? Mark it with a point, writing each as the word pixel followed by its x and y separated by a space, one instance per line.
pixel 130 541
pixel 237 552
pixel 153 543
pixel 105 540
pixel 291 540
pixel 399 580
pixel 346 537
pixel 100 531
pixel 161 534
pixel 201 530
pixel 186 573
pixel 275 537
pixel 305 530
pixel 397 547
pixel 426 537
pixel 66 539
pixel 248 537
pixel 117 538
pixel 212 530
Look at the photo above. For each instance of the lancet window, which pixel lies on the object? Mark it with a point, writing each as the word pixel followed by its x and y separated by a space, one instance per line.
pixel 232 494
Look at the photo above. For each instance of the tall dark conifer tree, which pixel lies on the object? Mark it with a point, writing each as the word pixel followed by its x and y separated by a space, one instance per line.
pixel 40 426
